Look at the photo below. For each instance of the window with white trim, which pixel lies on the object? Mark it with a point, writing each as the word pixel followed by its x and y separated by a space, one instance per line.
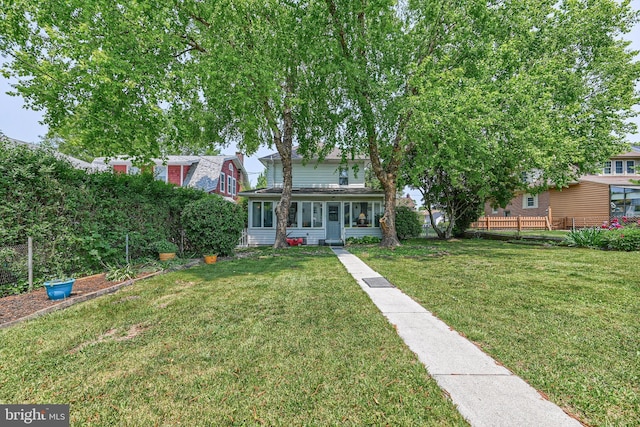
pixel 619 169
pixel 607 168
pixel 234 184
pixel 229 182
pixel 343 176
pixel 312 215
pixel 160 173
pixel 631 167
pixel 362 214
pixel 262 214
pixel 223 181
pixel 529 201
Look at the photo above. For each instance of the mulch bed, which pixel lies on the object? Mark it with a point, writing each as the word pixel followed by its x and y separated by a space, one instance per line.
pixel 16 307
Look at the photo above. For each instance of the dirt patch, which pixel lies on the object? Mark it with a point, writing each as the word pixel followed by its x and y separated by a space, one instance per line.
pixel 15 307
pixel 133 332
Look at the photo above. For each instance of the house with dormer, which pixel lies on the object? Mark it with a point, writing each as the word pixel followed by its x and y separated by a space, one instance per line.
pixel 330 201
pixel 613 192
pixel 223 175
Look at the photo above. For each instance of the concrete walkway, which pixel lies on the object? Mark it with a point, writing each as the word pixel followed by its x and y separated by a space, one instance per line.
pixel 485 393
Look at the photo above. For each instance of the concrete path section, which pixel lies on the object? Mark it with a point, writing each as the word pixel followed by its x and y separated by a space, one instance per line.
pixel 486 393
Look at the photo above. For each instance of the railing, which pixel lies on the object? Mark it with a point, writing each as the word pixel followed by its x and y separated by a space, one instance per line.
pixel 244 239
pixel 512 223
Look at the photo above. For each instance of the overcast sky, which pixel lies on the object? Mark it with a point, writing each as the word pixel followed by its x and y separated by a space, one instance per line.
pixel 20 123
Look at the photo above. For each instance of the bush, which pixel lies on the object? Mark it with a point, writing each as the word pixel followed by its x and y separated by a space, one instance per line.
pixel 622 239
pixel 213 225
pixel 364 240
pixel 586 238
pixel 165 247
pixel 407 223
pixel 78 220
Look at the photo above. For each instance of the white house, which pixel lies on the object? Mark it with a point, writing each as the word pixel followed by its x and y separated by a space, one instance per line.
pixel 330 201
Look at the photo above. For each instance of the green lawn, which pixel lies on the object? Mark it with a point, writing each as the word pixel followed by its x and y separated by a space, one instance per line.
pixel 277 338
pixel 566 320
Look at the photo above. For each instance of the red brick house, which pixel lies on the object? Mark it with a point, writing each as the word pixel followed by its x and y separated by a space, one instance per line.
pixel 223 175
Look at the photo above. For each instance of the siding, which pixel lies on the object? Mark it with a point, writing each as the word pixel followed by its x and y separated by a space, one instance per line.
pixel 515 207
pixel 587 199
pixel 314 176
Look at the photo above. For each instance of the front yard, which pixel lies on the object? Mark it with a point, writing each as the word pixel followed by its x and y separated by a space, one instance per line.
pixel 566 320
pixel 284 338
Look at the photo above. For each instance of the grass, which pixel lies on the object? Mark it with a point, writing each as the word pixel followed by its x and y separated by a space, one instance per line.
pixel 566 320
pixel 275 338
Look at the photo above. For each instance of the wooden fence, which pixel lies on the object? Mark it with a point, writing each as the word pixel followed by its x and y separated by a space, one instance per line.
pixel 512 223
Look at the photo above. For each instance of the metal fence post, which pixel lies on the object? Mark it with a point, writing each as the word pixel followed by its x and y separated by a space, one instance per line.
pixel 30 261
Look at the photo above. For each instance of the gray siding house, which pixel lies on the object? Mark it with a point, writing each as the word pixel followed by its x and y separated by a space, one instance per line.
pixel 330 201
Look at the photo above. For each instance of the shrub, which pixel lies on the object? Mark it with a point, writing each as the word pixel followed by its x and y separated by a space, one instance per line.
pixel 165 247
pixel 586 238
pixel 364 240
pixel 407 223
pixel 622 239
pixel 213 225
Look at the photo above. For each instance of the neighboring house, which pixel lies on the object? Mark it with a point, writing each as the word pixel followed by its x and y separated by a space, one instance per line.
pixel 223 175
pixel 330 202
pixel 593 199
pixel 76 163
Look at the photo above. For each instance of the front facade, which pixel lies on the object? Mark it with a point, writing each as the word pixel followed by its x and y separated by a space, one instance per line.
pixel 592 200
pixel 330 201
pixel 223 175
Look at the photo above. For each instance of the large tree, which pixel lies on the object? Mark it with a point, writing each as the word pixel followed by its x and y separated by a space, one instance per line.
pixel 537 89
pixel 144 78
pixel 469 95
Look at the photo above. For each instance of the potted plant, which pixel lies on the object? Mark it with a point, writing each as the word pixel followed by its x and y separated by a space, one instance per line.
pixel 210 258
pixel 59 288
pixel 166 249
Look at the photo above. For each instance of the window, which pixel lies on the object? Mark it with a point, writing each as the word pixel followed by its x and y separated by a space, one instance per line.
pixel 292 220
pixel 229 184
pixel 343 177
pixel 311 214
pixel 223 180
pixel 134 170
pixel 234 184
pixel 161 173
pixel 631 167
pixel 363 214
pixel 529 201
pixel 231 168
pixel 607 168
pixel 262 214
pixel 619 166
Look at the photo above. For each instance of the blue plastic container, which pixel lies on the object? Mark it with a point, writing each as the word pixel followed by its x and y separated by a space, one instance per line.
pixel 59 288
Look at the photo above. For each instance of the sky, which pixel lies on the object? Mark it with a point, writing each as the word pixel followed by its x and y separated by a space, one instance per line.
pixel 24 124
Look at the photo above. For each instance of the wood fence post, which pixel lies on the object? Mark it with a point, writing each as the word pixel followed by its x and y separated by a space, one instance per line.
pixel 488 223
pixel 519 224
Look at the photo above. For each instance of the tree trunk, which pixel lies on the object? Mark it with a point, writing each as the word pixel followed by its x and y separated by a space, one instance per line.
pixel 388 221
pixel 284 146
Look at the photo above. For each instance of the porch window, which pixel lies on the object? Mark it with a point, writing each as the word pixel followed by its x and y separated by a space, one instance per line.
pixel 362 214
pixel 607 168
pixel 292 220
pixel 262 214
pixel 311 214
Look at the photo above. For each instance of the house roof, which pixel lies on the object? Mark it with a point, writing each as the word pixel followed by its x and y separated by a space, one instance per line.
pixel 634 153
pixel 314 191
pixel 333 155
pixel 204 172
pixel 76 163
pixel 611 180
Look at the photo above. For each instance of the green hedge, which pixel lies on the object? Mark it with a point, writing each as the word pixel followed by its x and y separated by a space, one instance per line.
pixel 79 220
